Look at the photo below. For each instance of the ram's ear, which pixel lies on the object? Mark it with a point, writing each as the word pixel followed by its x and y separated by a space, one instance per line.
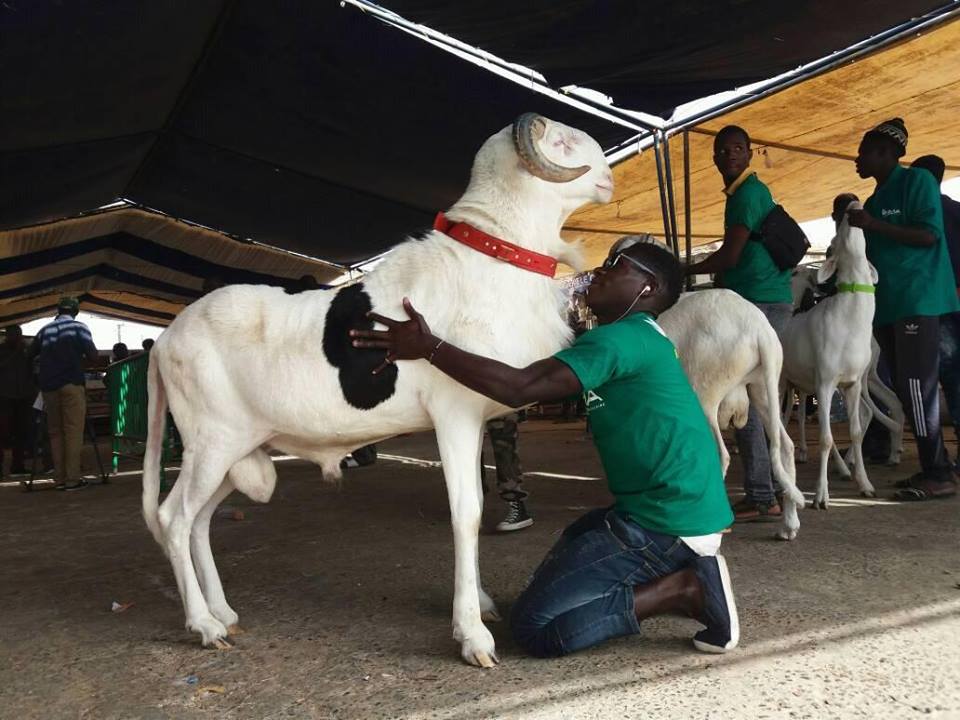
pixel 826 270
pixel 874 275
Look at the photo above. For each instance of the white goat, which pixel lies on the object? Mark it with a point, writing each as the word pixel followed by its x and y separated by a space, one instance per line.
pixel 732 356
pixel 249 367
pixel 872 386
pixel 829 347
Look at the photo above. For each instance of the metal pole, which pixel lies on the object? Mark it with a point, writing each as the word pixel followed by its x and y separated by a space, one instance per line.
pixel 526 77
pixel 663 194
pixel 686 199
pixel 670 201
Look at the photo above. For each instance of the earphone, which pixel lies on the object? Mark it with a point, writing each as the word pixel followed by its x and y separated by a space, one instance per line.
pixel 640 294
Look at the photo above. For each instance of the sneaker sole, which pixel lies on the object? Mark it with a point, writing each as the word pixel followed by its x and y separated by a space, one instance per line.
pixel 731 608
pixel 515 526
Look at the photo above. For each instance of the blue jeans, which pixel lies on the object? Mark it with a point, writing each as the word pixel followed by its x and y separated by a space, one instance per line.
pixel 582 593
pixel 950 366
pixel 751 438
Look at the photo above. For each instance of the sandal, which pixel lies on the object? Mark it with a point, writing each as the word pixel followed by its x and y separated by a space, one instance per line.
pixel 926 489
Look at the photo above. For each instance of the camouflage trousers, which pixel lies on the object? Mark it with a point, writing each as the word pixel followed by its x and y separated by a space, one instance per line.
pixel 504 433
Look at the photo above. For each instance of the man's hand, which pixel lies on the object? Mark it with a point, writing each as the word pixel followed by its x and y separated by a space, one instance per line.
pixel 403 339
pixel 861 219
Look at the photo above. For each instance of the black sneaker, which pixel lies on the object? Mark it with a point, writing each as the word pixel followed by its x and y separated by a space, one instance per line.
pixel 517 517
pixel 719 608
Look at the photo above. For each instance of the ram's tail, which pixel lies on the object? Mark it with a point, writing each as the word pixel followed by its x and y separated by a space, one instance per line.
pixel 156 426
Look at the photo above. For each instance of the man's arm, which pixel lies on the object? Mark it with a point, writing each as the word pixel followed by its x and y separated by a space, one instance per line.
pixel 915 236
pixel 726 256
pixel 547 379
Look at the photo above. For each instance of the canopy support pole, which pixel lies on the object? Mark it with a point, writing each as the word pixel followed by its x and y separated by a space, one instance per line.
pixel 662 187
pixel 686 200
pixel 671 204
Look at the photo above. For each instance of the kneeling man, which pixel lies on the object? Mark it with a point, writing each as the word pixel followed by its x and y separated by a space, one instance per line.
pixel 654 551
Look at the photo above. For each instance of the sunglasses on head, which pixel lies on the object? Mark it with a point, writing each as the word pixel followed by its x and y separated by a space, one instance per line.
pixel 611 262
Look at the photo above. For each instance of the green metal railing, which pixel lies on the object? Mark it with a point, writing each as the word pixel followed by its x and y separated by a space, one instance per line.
pixel 126 382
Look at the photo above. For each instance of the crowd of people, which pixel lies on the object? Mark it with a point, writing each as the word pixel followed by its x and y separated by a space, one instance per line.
pixel 48 377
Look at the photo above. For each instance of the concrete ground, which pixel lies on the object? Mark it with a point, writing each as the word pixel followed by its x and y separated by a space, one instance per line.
pixel 346 597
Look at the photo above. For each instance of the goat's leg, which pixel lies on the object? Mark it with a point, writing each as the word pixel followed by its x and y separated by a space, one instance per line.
pixel 201 475
pixel 488 608
pixel 204 564
pixel 852 396
pixel 824 396
pixel 458 439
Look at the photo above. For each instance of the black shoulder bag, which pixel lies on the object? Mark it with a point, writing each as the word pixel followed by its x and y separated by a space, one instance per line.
pixel 783 239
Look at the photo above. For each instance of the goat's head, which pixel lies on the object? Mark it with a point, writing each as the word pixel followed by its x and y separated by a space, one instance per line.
pixel 560 159
pixel 847 247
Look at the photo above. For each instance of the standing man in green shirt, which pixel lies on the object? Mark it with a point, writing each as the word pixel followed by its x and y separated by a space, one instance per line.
pixel 903 225
pixel 655 550
pixel 744 266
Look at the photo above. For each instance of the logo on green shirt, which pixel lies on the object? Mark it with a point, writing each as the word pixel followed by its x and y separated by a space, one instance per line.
pixel 594 401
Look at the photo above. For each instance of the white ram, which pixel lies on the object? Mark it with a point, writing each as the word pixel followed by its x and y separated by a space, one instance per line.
pixel 829 347
pixel 805 279
pixel 732 356
pixel 247 368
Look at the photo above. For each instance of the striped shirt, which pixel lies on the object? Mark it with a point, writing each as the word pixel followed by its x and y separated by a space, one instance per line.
pixel 62 346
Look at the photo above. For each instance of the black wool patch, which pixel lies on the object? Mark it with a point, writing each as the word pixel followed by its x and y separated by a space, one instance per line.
pixel 360 386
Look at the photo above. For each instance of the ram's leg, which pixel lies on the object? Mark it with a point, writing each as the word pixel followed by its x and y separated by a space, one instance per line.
pixel 802 422
pixel 824 395
pixel 458 438
pixel 852 396
pixel 718 436
pixel 201 475
pixel 204 563
pixel 488 608
pixel 764 397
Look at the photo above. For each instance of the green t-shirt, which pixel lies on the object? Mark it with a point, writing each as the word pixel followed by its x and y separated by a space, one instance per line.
pixel 755 276
pixel 913 280
pixel 657 449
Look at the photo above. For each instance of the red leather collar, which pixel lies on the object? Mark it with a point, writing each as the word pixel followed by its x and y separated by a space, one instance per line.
pixel 495 247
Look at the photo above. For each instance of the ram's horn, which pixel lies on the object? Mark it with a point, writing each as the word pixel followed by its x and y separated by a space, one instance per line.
pixel 528 129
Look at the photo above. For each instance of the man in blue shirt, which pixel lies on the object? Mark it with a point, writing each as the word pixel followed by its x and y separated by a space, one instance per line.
pixel 63 345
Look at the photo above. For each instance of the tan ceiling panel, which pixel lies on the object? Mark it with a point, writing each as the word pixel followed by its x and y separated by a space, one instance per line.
pixel 817 120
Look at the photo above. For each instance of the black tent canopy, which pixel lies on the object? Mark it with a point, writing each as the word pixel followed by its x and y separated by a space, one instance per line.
pixel 655 55
pixel 316 128
pixel 309 127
